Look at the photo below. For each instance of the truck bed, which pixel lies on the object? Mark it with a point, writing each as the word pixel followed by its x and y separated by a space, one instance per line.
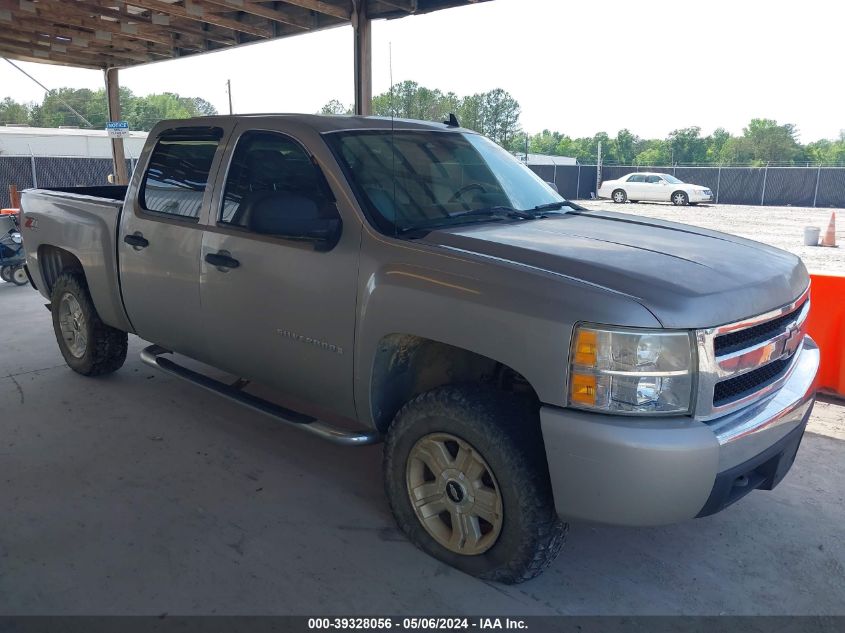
pixel 81 223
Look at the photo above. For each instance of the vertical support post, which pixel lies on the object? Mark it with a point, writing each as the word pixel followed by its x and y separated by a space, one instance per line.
pixel 598 169
pixel 14 197
pixel 765 178
pixel 578 183
pixel 816 192
pixel 718 183
pixel 362 27
pixel 121 177
pixel 34 173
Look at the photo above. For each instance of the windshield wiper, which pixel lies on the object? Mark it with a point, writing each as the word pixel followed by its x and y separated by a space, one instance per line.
pixel 498 212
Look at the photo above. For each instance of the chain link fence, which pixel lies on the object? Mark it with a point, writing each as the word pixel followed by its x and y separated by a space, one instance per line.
pixel 778 186
pixel 775 186
pixel 48 171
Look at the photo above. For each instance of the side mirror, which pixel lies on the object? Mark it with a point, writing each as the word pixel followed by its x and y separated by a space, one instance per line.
pixel 293 216
pixel 553 186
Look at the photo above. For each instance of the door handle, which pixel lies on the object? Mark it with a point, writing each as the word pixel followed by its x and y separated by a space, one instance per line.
pixel 222 260
pixel 136 241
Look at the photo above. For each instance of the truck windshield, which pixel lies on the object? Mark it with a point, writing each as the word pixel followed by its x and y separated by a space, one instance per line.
pixel 420 179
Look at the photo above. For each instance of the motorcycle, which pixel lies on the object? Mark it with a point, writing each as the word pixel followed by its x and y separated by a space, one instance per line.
pixel 12 256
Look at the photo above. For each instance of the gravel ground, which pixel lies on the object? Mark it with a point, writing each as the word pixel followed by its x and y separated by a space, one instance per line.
pixel 782 227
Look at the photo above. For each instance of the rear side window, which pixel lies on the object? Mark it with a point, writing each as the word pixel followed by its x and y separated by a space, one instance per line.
pixel 177 175
pixel 636 178
pixel 270 164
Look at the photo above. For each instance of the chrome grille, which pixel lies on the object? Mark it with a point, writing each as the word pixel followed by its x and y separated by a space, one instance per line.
pixel 742 362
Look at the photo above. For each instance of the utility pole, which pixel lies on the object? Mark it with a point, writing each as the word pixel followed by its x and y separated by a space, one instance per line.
pixel 229 91
pixel 598 169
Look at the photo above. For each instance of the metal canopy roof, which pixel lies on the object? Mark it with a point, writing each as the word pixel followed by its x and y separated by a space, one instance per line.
pixel 125 33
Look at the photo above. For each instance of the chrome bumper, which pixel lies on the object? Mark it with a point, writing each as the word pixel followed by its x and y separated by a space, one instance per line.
pixel 652 471
pixel 749 431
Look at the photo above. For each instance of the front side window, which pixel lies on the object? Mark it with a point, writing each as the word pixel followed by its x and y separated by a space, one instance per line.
pixel 177 175
pixel 653 180
pixel 271 173
pixel 413 179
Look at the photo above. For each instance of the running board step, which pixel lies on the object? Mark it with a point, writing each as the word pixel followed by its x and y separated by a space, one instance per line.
pixel 152 356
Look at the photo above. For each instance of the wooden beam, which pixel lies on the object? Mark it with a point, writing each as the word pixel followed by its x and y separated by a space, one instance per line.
pixel 363 59
pixel 121 176
pixel 342 10
pixel 27 56
pixel 196 11
pixel 86 41
pixel 257 9
pixel 156 22
pixel 62 46
pixel 408 6
pixel 42 54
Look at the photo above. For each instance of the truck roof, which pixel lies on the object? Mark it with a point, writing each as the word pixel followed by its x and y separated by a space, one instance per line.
pixel 322 122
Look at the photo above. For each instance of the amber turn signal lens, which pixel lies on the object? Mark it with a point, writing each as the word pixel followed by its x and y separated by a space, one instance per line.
pixel 583 389
pixel 585 348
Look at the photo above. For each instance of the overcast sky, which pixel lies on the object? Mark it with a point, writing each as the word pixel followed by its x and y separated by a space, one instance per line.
pixel 577 66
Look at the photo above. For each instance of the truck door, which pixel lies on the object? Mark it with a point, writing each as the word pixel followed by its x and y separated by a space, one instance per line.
pixel 279 311
pixel 160 238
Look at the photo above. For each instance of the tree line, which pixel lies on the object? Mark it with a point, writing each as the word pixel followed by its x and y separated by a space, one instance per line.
pixel 142 112
pixel 495 113
pixel 762 141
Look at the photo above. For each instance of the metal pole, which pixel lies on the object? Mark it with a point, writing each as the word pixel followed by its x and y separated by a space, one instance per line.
pixel 229 92
pixel 765 177
pixel 121 177
pixel 363 59
pixel 34 175
pixel 578 183
pixel 598 169
pixel 818 177
pixel 718 183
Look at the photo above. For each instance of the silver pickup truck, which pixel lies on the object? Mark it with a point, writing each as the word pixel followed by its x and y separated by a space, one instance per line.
pixel 526 361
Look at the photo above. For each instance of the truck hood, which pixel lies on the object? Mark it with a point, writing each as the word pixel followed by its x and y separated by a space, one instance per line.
pixel 686 276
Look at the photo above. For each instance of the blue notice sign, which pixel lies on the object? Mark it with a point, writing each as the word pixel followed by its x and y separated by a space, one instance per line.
pixel 117 129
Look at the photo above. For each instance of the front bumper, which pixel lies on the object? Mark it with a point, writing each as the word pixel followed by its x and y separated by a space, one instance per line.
pixel 651 471
pixel 701 197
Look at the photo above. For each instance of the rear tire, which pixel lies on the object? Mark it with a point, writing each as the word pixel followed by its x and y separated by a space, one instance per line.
pixel 619 196
pixel 89 346
pixel 473 457
pixel 680 199
pixel 6 274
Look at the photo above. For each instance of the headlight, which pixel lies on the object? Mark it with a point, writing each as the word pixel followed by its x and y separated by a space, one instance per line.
pixel 631 371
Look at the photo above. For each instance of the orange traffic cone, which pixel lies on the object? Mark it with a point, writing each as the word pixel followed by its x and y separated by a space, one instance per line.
pixel 830 235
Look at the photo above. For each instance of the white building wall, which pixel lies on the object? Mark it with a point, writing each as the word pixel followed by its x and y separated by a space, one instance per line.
pixel 23 141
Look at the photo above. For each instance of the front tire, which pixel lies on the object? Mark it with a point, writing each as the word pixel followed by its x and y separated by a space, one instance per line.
pixel 89 346
pixel 680 199
pixel 467 480
pixel 619 196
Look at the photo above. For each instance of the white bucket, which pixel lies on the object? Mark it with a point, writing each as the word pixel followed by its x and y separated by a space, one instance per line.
pixel 811 235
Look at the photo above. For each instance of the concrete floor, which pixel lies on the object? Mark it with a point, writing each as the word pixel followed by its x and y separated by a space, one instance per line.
pixel 136 493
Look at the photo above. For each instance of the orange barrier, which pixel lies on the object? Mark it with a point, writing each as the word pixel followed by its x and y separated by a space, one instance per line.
pixel 826 324
pixel 9 211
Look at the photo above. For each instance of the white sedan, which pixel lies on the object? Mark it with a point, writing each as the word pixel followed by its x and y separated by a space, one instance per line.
pixel 654 187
